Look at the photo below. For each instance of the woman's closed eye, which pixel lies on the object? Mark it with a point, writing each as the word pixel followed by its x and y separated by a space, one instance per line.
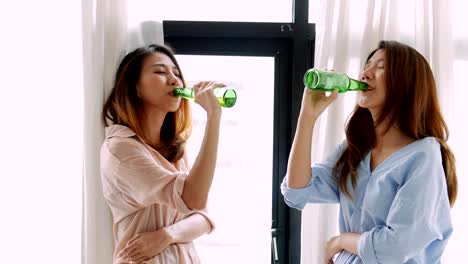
pixel 164 73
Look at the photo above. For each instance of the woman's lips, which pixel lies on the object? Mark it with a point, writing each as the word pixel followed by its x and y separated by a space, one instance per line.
pixel 370 88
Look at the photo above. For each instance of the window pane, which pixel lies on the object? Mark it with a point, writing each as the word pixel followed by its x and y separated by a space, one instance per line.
pixel 315 7
pixel 215 10
pixel 240 198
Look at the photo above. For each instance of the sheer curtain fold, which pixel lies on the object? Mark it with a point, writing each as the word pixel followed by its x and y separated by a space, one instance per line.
pixel 144 33
pixel 104 25
pixel 107 37
pixel 346 33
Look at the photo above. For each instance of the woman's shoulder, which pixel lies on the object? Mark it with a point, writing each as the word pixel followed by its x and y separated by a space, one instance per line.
pixel 121 141
pixel 423 166
pixel 423 154
pixel 428 147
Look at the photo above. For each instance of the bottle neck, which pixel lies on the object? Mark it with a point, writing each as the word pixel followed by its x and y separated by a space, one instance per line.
pixel 355 85
pixel 183 92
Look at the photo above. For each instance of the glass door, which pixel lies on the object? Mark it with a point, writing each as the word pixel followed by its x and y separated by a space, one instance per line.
pixel 240 200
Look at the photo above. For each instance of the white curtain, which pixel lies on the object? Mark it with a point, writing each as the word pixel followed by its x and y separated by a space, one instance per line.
pixel 40 131
pixel 104 30
pixel 111 28
pixel 346 32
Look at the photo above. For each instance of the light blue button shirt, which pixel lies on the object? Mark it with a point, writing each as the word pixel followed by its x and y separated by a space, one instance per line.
pixel 401 207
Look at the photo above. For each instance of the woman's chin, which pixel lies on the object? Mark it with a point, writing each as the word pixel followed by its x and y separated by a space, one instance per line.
pixel 361 102
pixel 175 105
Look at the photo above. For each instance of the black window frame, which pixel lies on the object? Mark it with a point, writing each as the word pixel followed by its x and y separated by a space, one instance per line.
pixel 292 45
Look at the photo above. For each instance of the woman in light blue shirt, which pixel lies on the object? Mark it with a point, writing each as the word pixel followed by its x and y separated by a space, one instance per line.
pixel 394 175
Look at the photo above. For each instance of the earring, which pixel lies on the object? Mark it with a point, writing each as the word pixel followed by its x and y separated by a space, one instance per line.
pixel 138 92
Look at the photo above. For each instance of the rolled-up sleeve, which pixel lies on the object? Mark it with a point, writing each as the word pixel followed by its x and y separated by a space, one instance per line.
pixel 142 181
pixel 322 187
pixel 419 215
pixel 205 213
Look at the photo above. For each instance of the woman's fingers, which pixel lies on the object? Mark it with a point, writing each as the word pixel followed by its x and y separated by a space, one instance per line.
pixel 199 87
pixel 208 86
pixel 127 251
pixel 134 256
pixel 333 95
pixel 205 96
pixel 138 258
pixel 204 86
pixel 135 238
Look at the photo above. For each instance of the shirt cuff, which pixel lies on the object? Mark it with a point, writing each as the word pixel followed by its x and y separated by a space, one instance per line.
pixel 295 198
pixel 208 218
pixel 366 249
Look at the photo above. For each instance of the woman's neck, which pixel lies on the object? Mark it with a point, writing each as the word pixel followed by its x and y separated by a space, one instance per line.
pixel 152 123
pixel 387 142
pixel 390 138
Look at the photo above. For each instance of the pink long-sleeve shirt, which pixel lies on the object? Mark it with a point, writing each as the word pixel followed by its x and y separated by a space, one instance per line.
pixel 143 190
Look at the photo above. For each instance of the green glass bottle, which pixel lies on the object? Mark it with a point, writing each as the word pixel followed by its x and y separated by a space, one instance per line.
pixel 330 81
pixel 227 97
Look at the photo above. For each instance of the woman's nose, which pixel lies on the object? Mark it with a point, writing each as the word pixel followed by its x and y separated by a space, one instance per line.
pixel 173 80
pixel 365 75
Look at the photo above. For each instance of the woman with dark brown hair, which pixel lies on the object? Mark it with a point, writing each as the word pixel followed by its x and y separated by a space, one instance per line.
pixel 394 175
pixel 157 202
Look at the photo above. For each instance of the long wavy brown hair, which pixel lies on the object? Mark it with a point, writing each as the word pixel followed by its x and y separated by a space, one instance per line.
pixel 411 104
pixel 124 106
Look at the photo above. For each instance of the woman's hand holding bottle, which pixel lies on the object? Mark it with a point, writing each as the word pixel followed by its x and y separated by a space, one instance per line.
pixel 204 96
pixel 314 103
pixel 198 182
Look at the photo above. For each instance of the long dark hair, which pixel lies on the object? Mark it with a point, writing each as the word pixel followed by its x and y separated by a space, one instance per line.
pixel 124 106
pixel 411 103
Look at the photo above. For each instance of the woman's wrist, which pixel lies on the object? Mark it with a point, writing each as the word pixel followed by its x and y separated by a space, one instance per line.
pixel 215 114
pixel 169 235
pixel 349 242
pixel 213 119
pixel 308 117
pixel 306 121
pixel 341 241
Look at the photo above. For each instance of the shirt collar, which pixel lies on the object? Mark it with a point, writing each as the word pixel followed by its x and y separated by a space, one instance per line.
pixel 118 131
